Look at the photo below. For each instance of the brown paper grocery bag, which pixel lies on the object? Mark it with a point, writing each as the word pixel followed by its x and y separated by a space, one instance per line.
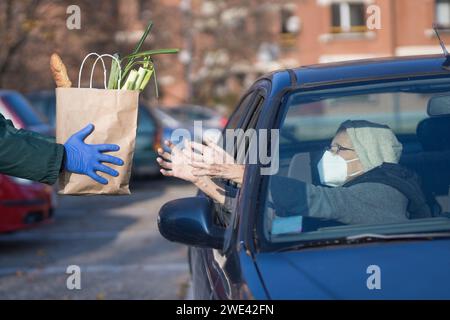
pixel 114 115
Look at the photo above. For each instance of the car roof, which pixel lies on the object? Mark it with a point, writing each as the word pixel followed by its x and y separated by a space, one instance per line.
pixel 369 69
pixel 5 92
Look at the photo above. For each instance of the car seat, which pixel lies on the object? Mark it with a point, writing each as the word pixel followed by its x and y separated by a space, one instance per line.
pixel 300 167
pixel 448 201
pixel 434 133
pixel 433 163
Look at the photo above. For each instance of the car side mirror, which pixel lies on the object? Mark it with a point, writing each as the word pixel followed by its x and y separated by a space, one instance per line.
pixel 190 221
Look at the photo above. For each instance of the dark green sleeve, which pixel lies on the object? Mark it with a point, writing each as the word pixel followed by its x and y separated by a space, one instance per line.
pixel 32 134
pixel 29 155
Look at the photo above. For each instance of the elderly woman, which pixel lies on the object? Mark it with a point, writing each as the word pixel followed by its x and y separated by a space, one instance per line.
pixel 362 182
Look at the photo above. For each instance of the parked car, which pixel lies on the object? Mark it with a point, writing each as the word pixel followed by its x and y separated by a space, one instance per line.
pixel 184 117
pixel 187 114
pixel 147 139
pixel 253 253
pixel 167 127
pixel 147 142
pixel 18 109
pixel 23 203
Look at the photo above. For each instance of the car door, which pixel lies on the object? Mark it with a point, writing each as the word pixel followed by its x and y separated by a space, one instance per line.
pixel 215 272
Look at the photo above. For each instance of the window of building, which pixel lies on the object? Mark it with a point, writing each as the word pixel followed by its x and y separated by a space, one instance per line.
pixel 443 13
pixel 145 9
pixel 290 25
pixel 290 22
pixel 348 17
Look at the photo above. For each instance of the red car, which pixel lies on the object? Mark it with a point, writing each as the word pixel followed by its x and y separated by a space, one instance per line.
pixel 23 203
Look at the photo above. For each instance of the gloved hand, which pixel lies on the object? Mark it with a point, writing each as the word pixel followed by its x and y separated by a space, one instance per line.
pixel 86 159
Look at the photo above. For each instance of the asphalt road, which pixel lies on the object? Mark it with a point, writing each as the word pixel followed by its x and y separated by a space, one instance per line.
pixel 115 242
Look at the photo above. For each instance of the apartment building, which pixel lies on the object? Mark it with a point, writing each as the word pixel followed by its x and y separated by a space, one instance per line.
pixel 279 34
pixel 334 30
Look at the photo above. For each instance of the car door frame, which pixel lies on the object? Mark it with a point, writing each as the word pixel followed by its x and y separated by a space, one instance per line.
pixel 282 82
pixel 221 267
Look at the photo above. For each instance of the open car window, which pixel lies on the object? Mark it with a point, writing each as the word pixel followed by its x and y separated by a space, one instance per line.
pixel 222 213
pixel 309 123
pixel 244 118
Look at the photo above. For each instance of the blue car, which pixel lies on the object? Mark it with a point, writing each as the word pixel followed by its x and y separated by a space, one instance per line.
pixel 249 252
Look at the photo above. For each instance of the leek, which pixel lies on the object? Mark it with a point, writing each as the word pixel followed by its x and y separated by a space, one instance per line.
pixel 145 81
pixel 152 53
pixel 141 75
pixel 114 74
pixel 132 79
pixel 129 83
pixel 130 58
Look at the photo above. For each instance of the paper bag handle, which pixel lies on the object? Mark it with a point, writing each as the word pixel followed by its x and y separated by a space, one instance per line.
pixel 99 57
pixel 104 69
pixel 82 65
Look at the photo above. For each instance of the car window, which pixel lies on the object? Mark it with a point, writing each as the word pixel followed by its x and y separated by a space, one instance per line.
pixel 237 116
pixel 299 207
pixel 222 214
pixel 245 115
pixel 242 118
pixel 249 123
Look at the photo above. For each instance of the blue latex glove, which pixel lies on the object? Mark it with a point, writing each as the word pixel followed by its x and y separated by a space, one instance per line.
pixel 86 159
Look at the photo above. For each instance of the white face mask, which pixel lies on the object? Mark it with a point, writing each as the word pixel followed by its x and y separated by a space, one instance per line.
pixel 333 169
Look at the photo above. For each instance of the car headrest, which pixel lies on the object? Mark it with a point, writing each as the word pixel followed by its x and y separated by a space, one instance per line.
pixel 300 167
pixel 434 133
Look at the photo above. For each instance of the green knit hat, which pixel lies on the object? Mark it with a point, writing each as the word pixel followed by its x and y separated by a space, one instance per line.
pixel 374 143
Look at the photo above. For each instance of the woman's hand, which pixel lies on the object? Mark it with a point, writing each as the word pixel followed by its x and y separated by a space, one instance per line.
pixel 212 161
pixel 209 153
pixel 179 165
pixel 233 172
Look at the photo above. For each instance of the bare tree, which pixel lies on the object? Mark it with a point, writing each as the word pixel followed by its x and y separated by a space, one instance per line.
pixel 223 39
pixel 229 34
pixel 30 30
pixel 17 22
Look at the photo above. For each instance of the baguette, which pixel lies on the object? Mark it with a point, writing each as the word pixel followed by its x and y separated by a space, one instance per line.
pixel 59 72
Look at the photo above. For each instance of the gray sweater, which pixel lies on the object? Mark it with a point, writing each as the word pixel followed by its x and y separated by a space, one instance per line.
pixel 364 203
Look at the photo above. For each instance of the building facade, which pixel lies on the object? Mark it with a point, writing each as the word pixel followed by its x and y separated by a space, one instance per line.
pixel 226 44
pixel 335 30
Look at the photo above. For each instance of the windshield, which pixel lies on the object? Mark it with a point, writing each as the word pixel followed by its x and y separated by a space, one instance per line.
pixel 384 172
